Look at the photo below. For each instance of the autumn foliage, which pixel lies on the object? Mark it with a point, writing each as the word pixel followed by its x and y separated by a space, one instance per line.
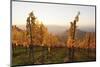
pixel 37 34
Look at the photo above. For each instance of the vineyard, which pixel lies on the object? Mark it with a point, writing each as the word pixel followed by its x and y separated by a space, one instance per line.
pixel 57 55
pixel 36 45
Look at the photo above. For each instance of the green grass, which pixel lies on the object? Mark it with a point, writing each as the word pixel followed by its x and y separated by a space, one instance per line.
pixel 42 56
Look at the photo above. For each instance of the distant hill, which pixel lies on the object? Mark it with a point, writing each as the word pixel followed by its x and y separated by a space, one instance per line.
pixel 54 29
pixel 15 28
pixel 63 30
pixel 23 27
pixel 79 34
pixel 87 29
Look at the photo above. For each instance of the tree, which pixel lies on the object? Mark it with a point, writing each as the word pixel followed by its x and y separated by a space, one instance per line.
pixel 72 31
pixel 30 28
pixel 71 37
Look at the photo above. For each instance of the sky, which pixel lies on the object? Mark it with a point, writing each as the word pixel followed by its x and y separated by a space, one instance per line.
pixel 53 14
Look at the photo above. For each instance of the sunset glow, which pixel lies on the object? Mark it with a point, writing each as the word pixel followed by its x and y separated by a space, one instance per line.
pixel 53 14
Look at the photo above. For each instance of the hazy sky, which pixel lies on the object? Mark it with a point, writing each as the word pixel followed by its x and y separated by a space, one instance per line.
pixel 52 14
